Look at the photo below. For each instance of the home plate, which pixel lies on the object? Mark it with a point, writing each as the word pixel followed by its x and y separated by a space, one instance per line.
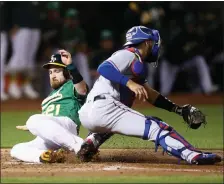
pixel 112 168
pixel 15 162
pixel 31 163
pixel 117 167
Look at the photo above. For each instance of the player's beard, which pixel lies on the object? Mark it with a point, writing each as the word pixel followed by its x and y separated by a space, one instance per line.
pixel 55 84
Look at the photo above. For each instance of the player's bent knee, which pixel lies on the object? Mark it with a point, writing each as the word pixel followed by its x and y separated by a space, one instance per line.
pixel 33 121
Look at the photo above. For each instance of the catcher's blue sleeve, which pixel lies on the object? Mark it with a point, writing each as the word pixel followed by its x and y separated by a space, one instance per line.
pixel 107 70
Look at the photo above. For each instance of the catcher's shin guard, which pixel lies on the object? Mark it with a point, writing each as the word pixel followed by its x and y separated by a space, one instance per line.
pixel 172 142
pixel 53 156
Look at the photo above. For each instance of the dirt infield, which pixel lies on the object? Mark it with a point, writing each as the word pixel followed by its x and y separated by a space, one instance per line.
pixel 111 162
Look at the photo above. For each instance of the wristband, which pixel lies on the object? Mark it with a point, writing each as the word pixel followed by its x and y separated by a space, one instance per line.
pixel 71 67
pixel 76 76
pixel 164 103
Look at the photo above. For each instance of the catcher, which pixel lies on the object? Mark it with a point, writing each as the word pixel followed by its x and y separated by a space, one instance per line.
pixel 56 129
pixel 107 109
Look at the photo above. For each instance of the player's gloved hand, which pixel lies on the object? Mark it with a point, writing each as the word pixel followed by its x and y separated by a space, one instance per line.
pixel 191 115
pixel 23 127
pixel 65 57
pixel 139 90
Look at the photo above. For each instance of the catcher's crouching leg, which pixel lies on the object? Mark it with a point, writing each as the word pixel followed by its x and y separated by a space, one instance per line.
pixel 92 143
pixel 174 144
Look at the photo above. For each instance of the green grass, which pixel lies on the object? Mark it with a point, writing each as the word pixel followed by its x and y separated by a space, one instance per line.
pixel 118 179
pixel 209 137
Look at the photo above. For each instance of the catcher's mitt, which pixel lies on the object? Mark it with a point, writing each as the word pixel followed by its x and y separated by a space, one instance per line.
pixel 193 116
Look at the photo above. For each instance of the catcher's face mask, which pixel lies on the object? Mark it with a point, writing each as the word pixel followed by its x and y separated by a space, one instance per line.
pixel 154 53
pixel 139 34
pixel 57 77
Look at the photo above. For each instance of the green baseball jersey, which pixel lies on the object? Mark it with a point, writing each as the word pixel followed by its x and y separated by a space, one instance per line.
pixel 64 101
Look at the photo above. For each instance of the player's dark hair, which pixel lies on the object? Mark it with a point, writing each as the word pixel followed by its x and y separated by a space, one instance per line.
pixel 66 74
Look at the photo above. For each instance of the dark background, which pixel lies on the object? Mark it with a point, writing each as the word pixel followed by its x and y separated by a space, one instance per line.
pixel 96 16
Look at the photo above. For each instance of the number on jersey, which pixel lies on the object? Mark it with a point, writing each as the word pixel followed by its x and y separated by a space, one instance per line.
pixel 53 110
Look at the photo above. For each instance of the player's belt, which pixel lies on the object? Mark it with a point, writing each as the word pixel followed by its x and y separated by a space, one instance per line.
pixel 99 97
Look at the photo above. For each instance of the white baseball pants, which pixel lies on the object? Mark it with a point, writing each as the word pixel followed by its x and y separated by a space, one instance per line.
pixel 51 133
pixel 109 115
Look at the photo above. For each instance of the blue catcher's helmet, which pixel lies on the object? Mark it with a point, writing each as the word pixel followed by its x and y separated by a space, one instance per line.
pixel 138 34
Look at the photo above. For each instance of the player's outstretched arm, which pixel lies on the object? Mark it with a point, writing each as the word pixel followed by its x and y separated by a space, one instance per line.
pixel 80 85
pixel 191 115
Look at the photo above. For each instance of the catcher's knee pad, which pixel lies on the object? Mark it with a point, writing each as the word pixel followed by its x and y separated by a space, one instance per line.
pixel 148 124
pixel 171 142
pixel 147 128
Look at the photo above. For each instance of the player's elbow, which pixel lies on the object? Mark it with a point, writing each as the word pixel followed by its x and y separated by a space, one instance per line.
pixel 99 69
pixel 103 68
pixel 82 88
pixel 82 91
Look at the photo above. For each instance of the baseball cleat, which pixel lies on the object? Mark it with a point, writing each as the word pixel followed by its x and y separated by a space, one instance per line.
pixel 53 156
pixel 87 151
pixel 206 159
